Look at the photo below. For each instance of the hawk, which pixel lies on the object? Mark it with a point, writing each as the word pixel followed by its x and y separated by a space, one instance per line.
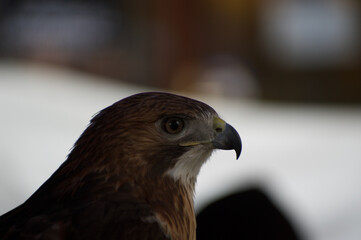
pixel 130 175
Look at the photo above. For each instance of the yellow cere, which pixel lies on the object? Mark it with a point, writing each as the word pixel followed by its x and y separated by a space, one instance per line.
pixel 218 124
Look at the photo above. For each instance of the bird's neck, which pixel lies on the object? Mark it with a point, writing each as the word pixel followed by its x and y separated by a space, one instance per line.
pixel 171 200
pixel 174 209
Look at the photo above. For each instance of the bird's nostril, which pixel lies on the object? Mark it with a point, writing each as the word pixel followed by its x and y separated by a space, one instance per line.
pixel 218 124
pixel 219 130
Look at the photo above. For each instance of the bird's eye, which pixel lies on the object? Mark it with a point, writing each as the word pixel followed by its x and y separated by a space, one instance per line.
pixel 173 125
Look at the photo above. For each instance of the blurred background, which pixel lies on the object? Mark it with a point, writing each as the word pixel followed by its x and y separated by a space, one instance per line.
pixel 285 73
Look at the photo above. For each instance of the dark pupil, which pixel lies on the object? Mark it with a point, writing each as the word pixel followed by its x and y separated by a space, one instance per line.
pixel 174 125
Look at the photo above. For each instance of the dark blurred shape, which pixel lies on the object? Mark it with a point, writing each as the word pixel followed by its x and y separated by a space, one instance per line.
pixel 92 36
pixel 311 50
pixel 248 215
pixel 307 51
pixel 69 28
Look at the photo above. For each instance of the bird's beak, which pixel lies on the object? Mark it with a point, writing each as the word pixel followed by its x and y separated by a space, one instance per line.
pixel 227 137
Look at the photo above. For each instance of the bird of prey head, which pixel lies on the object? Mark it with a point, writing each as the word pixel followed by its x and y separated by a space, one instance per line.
pixel 130 175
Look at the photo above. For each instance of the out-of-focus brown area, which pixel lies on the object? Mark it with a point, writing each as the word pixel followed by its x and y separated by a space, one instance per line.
pixel 274 50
